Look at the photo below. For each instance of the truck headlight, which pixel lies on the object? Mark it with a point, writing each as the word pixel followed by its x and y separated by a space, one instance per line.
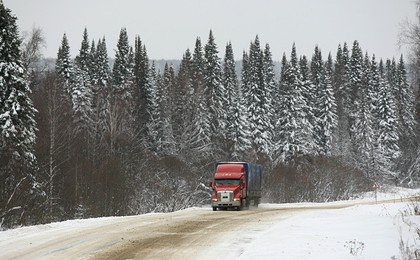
pixel 236 199
pixel 214 199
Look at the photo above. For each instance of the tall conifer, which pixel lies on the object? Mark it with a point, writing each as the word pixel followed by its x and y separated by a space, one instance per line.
pixel 214 90
pixel 17 128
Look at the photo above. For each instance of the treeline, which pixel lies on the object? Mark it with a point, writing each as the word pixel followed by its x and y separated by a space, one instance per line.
pixel 132 139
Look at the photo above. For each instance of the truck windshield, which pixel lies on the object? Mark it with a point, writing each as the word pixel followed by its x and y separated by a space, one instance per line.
pixel 227 182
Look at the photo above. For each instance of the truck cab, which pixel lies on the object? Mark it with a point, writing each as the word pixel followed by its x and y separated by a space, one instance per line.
pixel 231 185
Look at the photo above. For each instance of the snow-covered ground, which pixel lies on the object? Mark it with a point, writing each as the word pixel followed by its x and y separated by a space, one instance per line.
pixel 357 232
pixel 355 229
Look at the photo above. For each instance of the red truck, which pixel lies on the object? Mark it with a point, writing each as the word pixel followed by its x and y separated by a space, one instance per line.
pixel 235 185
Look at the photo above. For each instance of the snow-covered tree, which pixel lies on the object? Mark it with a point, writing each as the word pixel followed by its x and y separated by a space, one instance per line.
pixel 278 95
pixel 198 67
pixel 182 100
pixel 122 72
pixel 326 113
pixel 82 60
pixel 92 65
pixel 17 127
pixel 82 90
pixel 120 94
pixel 81 96
pixel 166 105
pixel 259 102
pixel 342 97
pixel 153 99
pixel 388 138
pixel 268 98
pixel 357 106
pixel 241 125
pixel 310 95
pixel 140 84
pixel 294 138
pixel 405 100
pixel 201 132
pixel 230 83
pixel 63 66
pixel 214 90
pixel 102 63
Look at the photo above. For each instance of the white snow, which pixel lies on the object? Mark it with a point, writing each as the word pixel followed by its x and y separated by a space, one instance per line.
pixel 355 232
pixel 358 232
pixel 367 230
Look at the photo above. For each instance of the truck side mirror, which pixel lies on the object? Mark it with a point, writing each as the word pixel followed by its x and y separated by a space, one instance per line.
pixel 210 184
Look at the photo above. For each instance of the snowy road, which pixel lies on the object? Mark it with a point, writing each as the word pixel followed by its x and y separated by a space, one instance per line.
pixel 285 231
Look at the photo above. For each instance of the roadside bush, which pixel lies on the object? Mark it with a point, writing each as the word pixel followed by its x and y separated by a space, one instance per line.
pixel 315 179
pixel 409 248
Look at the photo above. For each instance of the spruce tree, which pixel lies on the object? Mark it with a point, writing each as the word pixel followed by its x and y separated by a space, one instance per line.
pixel 102 63
pixel 268 98
pixel 198 67
pixel 230 83
pixel 140 84
pixel 92 66
pixel 356 106
pixel 327 111
pixel 17 128
pixel 166 107
pixel 102 86
pixel 294 138
pixel 310 96
pixel 120 94
pixel 258 99
pixel 341 90
pixel 214 90
pixel 122 72
pixel 82 90
pixel 388 139
pixel 241 128
pixel 183 102
pixel 241 123
pixel 317 100
pixel 201 132
pixel 278 95
pixel 245 78
pixel 361 117
pixel 154 123
pixel 83 59
pixel 82 96
pixel 373 90
pixel 63 66
pixel 405 100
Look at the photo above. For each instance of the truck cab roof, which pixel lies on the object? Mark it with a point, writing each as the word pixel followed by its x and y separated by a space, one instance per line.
pixel 229 171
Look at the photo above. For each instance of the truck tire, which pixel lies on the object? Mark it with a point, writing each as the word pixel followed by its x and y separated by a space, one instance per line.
pixel 256 202
pixel 214 208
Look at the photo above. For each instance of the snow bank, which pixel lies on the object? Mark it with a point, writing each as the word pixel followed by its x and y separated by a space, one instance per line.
pixel 358 232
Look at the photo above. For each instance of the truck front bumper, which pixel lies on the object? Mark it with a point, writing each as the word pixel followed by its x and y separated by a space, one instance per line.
pixel 227 204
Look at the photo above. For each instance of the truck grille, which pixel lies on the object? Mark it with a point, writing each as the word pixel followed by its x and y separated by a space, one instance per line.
pixel 225 196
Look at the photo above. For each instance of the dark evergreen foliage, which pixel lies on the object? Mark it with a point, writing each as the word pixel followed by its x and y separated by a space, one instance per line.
pixel 18 165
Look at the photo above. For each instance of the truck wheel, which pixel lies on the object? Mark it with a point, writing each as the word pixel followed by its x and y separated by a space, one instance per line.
pixel 243 204
pixel 214 208
pixel 256 202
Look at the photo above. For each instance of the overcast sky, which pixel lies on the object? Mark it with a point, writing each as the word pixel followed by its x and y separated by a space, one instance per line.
pixel 169 27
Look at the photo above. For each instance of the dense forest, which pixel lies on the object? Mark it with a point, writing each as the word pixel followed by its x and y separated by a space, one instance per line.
pixel 86 139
